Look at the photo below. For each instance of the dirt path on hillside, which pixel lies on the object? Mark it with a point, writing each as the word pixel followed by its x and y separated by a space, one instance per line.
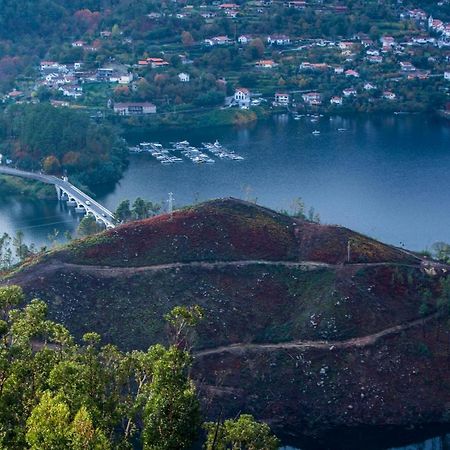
pixel 359 342
pixel 29 274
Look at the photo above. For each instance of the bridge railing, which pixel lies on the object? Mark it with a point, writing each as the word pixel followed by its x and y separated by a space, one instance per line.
pixel 63 184
pixel 85 196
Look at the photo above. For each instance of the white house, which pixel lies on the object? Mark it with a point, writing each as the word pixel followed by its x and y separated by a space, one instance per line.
pixel 51 65
pixel 184 77
pixel 282 99
pixel 218 40
pixel 349 92
pixel 388 95
pixel 312 98
pixel 73 91
pixel 278 39
pixel 134 109
pixel 242 97
pixel 78 44
pixel 245 39
pixel 336 100
pixel 369 87
pixel 125 79
pixel 406 66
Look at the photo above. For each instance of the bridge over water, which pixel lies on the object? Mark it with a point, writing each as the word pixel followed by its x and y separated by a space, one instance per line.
pixel 66 191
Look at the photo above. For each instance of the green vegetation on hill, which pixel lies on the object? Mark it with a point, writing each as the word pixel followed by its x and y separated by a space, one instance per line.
pixel 59 395
pixel 56 141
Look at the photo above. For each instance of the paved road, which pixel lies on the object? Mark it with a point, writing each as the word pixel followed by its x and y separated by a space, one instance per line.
pixel 89 204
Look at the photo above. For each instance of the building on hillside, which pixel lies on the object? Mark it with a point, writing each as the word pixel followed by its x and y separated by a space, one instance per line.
pixel 245 39
pixel 242 97
pixel 282 99
pixel 104 74
pixel 51 66
pixel 336 100
pixel 154 63
pixel 227 6
pixel 369 87
pixel 266 63
pixel 375 59
pixel 125 79
pixel 278 39
pixel 59 103
pixel 218 40
pixel 74 91
pixel 313 66
pixel 352 73
pixel 134 109
pixel 388 95
pixel 406 66
pixel 346 45
pixel 184 77
pixel 349 92
pixel 387 41
pixel 312 98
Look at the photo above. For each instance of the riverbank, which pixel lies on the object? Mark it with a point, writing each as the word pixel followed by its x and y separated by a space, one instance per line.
pixel 234 117
pixel 19 186
pixel 197 120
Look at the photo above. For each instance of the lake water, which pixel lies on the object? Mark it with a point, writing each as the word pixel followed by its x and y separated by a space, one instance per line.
pixel 436 443
pixel 387 177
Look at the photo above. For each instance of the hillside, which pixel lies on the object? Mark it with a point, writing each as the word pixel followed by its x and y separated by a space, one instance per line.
pixel 294 333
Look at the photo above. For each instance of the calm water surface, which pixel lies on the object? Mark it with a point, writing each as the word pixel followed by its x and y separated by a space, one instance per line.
pixel 436 443
pixel 387 177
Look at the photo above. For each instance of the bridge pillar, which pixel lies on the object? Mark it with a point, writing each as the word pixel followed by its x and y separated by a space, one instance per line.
pixel 80 208
pixel 71 201
pixel 58 192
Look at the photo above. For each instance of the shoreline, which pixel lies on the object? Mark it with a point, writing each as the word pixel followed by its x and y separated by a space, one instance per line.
pixel 10 185
pixel 242 118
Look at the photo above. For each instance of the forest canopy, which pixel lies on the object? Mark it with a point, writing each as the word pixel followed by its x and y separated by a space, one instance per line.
pixel 57 394
pixel 56 141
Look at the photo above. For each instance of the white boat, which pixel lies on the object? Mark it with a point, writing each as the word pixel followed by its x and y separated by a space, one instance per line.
pixel 316 132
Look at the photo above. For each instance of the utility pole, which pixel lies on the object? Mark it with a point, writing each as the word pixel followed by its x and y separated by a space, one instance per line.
pixel 348 250
pixel 170 203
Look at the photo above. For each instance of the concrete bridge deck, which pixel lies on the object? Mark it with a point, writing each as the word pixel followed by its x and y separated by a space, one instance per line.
pixel 66 191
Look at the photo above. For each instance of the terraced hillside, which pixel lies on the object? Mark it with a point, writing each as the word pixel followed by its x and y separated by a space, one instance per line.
pixel 294 332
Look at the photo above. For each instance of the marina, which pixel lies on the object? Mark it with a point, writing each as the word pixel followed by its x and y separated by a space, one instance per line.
pixel 184 149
